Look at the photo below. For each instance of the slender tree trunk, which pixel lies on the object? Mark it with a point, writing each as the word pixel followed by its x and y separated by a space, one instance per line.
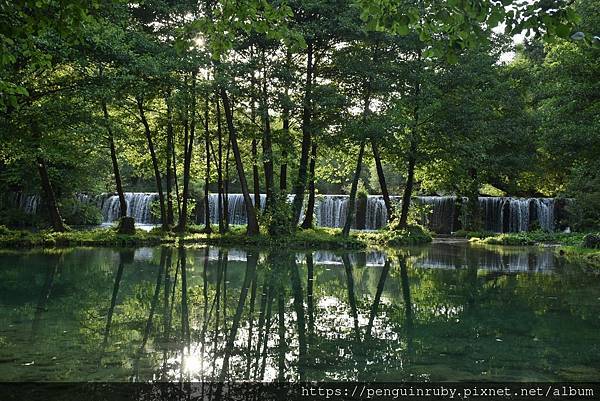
pixel 286 131
pixel 310 207
pixel 115 163
pixel 55 217
pixel 187 160
pixel 267 145
pixel 221 197
pixel 412 156
pixel 408 188
pixel 253 228
pixel 353 190
pixel 169 174
pixel 300 184
pixel 473 208
pixel 255 175
pixel 175 178
pixel 226 188
pixel 157 177
pixel 207 221
pixel 382 184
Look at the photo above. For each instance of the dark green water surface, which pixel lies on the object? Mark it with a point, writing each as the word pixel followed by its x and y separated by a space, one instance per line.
pixel 442 312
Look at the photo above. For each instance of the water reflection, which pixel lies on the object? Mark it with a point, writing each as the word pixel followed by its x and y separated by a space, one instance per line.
pixel 442 312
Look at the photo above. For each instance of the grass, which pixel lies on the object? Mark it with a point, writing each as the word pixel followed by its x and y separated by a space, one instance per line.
pixel 532 238
pixel 577 254
pixel 568 245
pixel 323 238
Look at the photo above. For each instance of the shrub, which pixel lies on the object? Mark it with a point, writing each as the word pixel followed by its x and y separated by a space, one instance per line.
pixel 278 218
pixel 76 213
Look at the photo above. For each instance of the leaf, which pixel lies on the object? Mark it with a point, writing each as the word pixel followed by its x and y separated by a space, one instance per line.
pixel 563 30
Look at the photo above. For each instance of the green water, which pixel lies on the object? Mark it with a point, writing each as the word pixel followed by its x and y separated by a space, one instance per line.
pixel 441 312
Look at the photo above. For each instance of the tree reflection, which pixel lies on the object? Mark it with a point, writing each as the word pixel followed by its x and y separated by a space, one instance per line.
pixel 214 314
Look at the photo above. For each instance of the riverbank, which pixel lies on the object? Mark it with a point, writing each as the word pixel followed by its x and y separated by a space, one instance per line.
pixel 568 245
pixel 322 238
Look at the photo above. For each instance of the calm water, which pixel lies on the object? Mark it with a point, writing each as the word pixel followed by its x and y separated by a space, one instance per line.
pixel 441 312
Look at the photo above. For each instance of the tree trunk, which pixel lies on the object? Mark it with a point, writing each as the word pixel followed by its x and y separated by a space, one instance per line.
pixel 408 188
pixel 187 160
pixel 221 202
pixel 286 131
pixel 55 217
pixel 300 184
pixel 115 163
pixel 169 174
pixel 382 184
pixel 310 207
pixel 226 188
pixel 253 228
pixel 255 175
pixel 473 209
pixel 267 146
pixel 157 177
pixel 412 158
pixel 207 228
pixel 353 190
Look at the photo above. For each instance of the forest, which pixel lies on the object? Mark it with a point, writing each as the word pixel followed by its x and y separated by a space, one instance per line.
pixel 202 194
pixel 282 102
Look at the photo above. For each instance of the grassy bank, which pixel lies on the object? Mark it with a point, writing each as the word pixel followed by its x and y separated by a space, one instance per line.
pixel 568 245
pixel 323 238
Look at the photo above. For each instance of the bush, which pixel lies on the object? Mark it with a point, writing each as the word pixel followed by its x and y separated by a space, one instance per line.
pixel 14 217
pixel 76 213
pixel 278 218
pixel 584 187
pixel 592 241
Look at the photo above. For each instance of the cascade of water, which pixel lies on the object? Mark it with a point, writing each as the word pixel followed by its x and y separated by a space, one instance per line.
pixel 31 204
pixel 376 213
pixel 441 217
pixel 519 214
pixel 331 210
pixel 545 213
pixel 139 205
pixel 499 214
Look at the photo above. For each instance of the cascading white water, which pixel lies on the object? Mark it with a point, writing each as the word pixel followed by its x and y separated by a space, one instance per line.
pixel 139 206
pixel 235 207
pixel 499 214
pixel 545 213
pixel 376 213
pixel 331 210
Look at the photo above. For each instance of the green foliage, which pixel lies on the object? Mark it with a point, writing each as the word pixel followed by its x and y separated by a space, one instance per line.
pixel 278 219
pixel 584 207
pixel 532 238
pixel 413 235
pixel 14 217
pixel 76 213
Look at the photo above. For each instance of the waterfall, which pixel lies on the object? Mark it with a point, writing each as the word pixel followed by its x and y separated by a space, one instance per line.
pixel 236 208
pixel 545 213
pixel 331 210
pixel 441 217
pixel 503 214
pixel 138 206
pixel 28 203
pixel 519 215
pixel 376 212
pixel 499 214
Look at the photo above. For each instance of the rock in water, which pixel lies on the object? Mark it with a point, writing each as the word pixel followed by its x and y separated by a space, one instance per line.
pixel 591 241
pixel 126 225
